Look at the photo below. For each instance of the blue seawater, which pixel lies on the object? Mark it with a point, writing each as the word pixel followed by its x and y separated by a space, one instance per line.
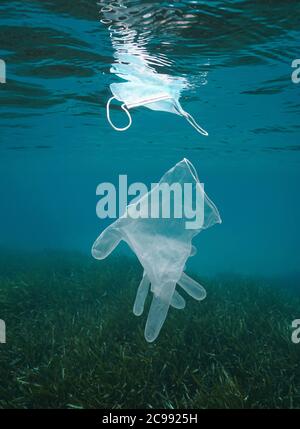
pixel 56 145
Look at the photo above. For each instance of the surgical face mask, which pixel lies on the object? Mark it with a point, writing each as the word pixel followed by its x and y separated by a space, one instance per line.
pixel 142 85
pixel 154 95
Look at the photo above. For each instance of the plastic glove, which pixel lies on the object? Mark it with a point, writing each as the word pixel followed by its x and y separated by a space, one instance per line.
pixel 162 244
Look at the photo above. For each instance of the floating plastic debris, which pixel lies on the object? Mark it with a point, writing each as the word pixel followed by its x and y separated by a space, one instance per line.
pixel 159 228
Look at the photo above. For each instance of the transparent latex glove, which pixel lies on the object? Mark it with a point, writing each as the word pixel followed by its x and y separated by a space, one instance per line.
pixel 162 241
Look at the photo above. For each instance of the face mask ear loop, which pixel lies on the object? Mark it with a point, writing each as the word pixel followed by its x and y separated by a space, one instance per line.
pixel 190 119
pixel 123 107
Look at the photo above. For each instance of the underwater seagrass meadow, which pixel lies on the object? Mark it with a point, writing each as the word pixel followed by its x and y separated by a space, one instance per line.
pixel 71 338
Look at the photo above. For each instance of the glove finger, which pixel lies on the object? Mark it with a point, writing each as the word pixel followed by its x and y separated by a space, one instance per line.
pixel 106 243
pixel 177 301
pixel 141 295
pixel 158 312
pixel 192 287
